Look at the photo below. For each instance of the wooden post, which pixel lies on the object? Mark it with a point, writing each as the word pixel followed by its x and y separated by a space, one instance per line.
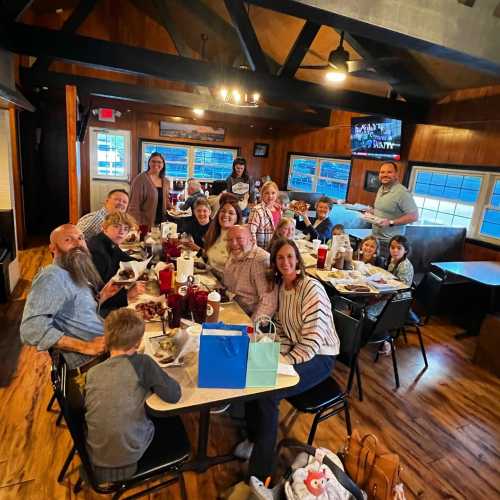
pixel 17 179
pixel 73 160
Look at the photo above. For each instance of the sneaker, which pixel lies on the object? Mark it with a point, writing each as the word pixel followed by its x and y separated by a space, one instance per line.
pixel 385 349
pixel 219 409
pixel 243 450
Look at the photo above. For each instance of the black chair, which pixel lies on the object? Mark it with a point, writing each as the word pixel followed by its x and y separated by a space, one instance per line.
pixel 55 365
pixel 427 294
pixel 389 325
pixel 327 399
pixel 169 449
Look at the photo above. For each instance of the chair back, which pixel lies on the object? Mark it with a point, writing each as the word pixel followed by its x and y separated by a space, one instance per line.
pixel 428 290
pixel 71 401
pixel 349 330
pixel 393 316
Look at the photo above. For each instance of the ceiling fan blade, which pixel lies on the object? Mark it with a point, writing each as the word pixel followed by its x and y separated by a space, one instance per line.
pixel 324 66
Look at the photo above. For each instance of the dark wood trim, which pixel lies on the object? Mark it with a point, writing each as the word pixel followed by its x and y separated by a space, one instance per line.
pixel 17 179
pixel 73 174
pixel 33 40
pixel 482 244
pixel 14 9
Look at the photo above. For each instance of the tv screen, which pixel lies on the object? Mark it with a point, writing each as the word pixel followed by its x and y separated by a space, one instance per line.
pixel 376 137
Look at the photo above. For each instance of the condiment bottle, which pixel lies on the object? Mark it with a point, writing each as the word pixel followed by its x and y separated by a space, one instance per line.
pixel 213 307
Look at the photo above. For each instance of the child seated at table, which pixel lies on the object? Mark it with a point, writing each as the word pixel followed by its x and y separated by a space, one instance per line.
pixel 118 428
pixel 402 269
pixel 340 240
pixel 368 252
pixel 284 229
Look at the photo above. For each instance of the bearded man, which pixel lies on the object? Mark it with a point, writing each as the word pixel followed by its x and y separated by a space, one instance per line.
pixel 61 310
pixel 245 274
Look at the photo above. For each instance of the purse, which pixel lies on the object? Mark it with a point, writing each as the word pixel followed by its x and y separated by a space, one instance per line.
pixel 376 471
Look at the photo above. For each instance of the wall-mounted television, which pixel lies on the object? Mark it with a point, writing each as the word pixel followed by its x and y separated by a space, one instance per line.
pixel 376 137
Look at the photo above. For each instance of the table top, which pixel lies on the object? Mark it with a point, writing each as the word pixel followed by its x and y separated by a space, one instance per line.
pixel 328 277
pixel 187 375
pixel 359 233
pixel 484 272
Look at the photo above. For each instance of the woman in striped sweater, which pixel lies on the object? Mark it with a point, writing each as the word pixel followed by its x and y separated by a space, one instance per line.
pixel 308 341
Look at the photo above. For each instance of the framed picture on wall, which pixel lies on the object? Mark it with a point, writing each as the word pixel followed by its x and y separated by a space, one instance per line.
pixel 260 150
pixel 372 182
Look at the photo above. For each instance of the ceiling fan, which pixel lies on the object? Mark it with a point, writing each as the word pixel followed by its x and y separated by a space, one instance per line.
pixel 339 65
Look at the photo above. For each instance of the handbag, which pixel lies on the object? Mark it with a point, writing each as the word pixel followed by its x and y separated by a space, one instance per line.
pixel 263 355
pixel 223 355
pixel 373 469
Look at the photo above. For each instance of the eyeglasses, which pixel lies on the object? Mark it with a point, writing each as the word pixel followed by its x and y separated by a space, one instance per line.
pixel 121 227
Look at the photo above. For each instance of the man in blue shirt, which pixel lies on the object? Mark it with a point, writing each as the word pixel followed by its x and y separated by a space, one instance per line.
pixel 61 311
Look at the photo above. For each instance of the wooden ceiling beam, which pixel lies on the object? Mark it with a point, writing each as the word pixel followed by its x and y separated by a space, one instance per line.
pixel 14 9
pixel 33 40
pixel 299 49
pixel 74 21
pixel 124 91
pixel 246 34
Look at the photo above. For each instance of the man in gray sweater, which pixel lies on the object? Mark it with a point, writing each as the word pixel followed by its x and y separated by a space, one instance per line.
pixel 118 428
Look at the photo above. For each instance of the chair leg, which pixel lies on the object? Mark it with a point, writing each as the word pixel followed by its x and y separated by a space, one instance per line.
pixel 314 426
pixel 347 417
pixel 350 380
pixel 59 419
pixel 404 335
pixel 51 402
pixel 358 382
pixel 422 347
pixel 78 486
pixel 67 463
pixel 377 356
pixel 394 362
pixel 182 487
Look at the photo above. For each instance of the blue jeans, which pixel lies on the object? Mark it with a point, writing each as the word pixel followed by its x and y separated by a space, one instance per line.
pixel 262 415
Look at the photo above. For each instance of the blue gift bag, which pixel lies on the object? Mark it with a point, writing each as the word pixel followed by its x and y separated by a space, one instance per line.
pixel 222 360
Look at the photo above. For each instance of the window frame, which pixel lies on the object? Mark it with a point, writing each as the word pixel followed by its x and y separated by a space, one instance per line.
pixel 317 176
pixel 489 175
pixel 190 157
pixel 94 175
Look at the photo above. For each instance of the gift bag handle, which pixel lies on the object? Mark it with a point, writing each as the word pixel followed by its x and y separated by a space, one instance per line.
pixel 265 318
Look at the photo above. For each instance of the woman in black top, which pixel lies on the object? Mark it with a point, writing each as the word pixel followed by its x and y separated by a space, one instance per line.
pixel 197 225
pixel 107 255
pixel 241 184
pixel 321 227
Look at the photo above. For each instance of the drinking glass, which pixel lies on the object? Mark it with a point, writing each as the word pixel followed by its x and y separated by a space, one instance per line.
pixel 322 251
pixel 165 278
pixel 199 306
pixel 174 301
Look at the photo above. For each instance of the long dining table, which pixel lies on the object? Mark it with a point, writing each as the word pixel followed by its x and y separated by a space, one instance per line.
pixel 201 400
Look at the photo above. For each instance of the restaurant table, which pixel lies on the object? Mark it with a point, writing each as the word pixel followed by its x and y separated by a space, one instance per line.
pixel 485 273
pixel 196 399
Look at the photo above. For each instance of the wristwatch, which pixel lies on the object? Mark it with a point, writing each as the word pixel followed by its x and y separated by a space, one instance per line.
pixel 391 223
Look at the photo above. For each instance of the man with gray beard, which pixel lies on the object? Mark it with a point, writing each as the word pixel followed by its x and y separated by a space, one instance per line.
pixel 61 311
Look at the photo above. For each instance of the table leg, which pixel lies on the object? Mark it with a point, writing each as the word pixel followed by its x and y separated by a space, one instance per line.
pixel 201 461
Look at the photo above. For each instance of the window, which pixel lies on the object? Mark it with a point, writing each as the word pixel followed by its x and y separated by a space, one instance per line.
pixel 313 174
pixel 184 161
pixel 109 151
pixel 455 197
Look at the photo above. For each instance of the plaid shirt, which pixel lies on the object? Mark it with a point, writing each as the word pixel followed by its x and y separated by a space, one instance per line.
pixel 91 224
pixel 262 225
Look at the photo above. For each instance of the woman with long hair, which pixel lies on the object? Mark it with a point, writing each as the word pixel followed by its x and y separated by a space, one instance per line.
pixel 241 184
pixel 309 342
pixel 149 193
pixel 228 215
pixel 266 215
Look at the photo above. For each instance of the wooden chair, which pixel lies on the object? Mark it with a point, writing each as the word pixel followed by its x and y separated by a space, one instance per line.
pixel 169 449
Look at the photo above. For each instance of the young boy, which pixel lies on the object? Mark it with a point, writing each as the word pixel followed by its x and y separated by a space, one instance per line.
pixel 118 429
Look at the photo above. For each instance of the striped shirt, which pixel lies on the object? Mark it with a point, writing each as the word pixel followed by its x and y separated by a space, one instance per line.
pixel 305 322
pixel 91 224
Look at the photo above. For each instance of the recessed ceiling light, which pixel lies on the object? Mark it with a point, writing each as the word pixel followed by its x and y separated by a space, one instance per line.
pixel 198 111
pixel 335 76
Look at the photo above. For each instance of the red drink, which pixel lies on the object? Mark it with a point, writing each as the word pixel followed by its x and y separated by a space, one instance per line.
pixel 165 278
pixel 144 229
pixel 175 302
pixel 198 306
pixel 322 252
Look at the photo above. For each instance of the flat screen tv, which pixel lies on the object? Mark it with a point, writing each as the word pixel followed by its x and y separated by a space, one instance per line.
pixel 376 137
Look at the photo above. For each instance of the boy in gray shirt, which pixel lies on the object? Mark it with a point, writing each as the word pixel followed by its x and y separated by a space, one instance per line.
pixel 118 429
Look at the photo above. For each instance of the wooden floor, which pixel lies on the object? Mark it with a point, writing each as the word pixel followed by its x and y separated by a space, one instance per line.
pixel 444 422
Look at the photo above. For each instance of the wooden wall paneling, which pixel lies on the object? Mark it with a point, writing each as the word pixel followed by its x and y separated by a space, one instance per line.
pixel 17 179
pixel 73 163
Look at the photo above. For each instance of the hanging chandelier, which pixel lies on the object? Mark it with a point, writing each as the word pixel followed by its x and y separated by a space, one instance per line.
pixel 238 97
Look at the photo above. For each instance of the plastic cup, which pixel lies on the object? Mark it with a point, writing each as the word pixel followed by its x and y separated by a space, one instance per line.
pixel 322 252
pixel 175 302
pixel 165 278
pixel 144 230
pixel 316 245
pixel 198 306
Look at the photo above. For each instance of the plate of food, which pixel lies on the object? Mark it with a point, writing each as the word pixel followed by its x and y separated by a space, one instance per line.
pixel 226 297
pixel 151 308
pixel 165 349
pixel 133 239
pixel 129 272
pixel 355 288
